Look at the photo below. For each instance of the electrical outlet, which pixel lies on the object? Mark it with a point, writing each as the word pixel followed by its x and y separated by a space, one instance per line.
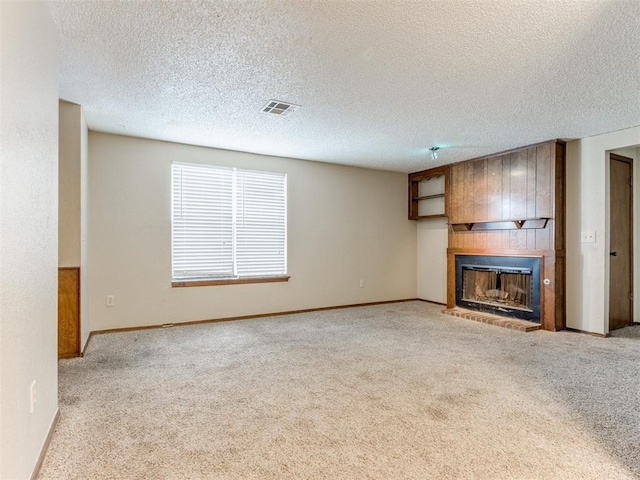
pixel 588 237
pixel 111 300
pixel 32 397
pixel 361 283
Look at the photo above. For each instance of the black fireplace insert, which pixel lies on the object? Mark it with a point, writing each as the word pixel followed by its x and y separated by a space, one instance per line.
pixel 507 286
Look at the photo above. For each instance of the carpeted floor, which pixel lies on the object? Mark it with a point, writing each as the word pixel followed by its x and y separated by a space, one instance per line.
pixel 397 391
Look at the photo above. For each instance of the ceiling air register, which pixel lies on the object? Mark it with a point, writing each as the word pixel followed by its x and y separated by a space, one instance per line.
pixel 277 107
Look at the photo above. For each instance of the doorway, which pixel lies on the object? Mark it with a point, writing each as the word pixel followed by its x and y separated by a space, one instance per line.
pixel 621 242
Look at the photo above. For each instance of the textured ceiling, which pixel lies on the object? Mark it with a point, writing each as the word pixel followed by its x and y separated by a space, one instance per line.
pixel 378 82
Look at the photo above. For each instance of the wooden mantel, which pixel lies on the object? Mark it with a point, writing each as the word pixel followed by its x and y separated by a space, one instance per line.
pixel 511 203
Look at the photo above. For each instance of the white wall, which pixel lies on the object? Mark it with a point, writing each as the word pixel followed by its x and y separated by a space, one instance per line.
pixel 28 232
pixel 344 224
pixel 588 210
pixel 432 259
pixel 73 202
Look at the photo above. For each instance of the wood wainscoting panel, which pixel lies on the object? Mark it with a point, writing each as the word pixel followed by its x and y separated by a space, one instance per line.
pixel 494 184
pixel 479 178
pixel 505 211
pixel 544 180
pixel 68 312
pixel 518 191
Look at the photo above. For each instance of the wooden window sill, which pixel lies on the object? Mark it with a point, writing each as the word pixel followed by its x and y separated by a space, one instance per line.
pixel 229 281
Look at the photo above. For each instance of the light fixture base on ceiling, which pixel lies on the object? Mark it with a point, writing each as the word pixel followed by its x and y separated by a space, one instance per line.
pixel 434 152
pixel 277 107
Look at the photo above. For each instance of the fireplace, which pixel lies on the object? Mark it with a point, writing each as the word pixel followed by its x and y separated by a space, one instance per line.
pixel 506 286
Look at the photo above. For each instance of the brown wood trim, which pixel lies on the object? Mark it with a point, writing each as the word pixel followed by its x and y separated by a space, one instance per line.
pixel 249 317
pixel 584 332
pixel 432 302
pixel 64 356
pixel 230 281
pixel 429 173
pixel 45 445
pixel 86 345
pixel 501 253
pixel 428 197
pixel 620 158
pixel 506 224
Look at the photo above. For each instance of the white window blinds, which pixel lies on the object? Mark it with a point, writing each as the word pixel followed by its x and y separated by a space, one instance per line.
pixel 260 223
pixel 227 222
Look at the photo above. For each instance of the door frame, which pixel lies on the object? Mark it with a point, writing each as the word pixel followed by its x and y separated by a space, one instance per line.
pixel 630 161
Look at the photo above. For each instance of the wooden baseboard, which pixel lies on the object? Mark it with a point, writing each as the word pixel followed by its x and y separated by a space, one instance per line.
pixel 45 446
pixel 86 345
pixel 249 317
pixel 63 356
pixel 593 334
pixel 432 302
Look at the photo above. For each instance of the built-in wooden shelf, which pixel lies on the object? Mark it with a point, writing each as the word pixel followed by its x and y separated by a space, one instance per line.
pixel 415 199
pixel 521 224
pixel 428 197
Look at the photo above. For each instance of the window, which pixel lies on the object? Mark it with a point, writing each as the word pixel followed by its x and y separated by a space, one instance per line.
pixel 228 225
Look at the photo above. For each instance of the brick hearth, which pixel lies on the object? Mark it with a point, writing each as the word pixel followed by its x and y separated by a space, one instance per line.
pixel 512 323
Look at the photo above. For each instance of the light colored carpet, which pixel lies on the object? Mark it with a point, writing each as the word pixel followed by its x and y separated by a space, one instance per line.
pixel 387 392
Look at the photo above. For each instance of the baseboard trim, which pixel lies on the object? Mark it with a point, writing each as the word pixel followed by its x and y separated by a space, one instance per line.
pixel 45 446
pixel 593 334
pixel 247 317
pixel 432 302
pixel 86 345
pixel 65 356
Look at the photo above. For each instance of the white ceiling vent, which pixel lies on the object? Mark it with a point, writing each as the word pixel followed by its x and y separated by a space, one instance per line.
pixel 280 108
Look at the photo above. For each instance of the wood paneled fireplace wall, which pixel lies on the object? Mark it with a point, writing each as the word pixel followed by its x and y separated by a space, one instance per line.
pixel 511 204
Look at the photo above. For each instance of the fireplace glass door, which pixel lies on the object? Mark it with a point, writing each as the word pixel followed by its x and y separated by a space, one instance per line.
pixel 508 286
pixel 498 288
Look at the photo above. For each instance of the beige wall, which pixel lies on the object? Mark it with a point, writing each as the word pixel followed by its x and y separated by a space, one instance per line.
pixel 344 224
pixel 69 181
pixel 28 232
pixel 85 320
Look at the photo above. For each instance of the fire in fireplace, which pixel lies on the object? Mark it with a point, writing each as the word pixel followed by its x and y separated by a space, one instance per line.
pixel 507 286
